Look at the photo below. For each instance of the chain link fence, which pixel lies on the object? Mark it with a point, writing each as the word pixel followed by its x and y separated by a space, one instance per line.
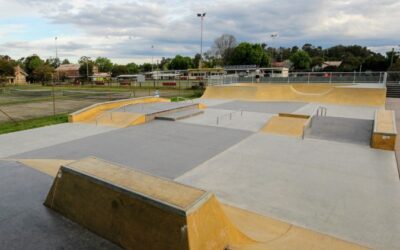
pixel 314 77
pixel 22 102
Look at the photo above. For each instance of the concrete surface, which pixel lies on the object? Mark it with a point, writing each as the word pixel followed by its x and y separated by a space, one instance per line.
pixel 27 140
pixel 250 121
pixel 284 125
pixel 394 104
pixel 300 92
pixel 340 129
pixel 149 108
pixel 26 224
pixel 262 107
pixel 210 102
pixel 163 148
pixel 345 111
pixel 180 115
pixel 348 191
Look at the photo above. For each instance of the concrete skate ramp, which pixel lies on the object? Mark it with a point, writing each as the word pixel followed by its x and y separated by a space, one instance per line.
pixel 286 124
pixel 140 211
pixel 313 93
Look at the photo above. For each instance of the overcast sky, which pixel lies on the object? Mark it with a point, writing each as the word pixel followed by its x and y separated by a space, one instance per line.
pixel 125 30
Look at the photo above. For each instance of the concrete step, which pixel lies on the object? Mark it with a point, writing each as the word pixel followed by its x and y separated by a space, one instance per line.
pixel 180 115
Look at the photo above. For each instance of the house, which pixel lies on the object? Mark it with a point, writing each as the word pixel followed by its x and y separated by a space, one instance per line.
pixel 19 77
pixel 327 65
pixel 68 71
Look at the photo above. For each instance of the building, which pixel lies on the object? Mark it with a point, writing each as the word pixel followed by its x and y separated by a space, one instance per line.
pixel 68 71
pixel 204 73
pixel 19 76
pixel 327 65
pixel 255 71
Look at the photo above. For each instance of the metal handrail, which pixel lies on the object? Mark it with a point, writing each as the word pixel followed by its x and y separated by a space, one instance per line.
pixel 229 114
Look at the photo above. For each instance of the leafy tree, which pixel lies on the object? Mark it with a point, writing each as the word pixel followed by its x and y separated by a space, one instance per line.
pixel 301 60
pixel 146 67
pixel 6 69
pixel 86 68
pixel 54 62
pixel 43 73
pixel 375 62
pixel 132 68
pixel 350 63
pixel 249 54
pixel 196 60
pixel 181 62
pixel 316 61
pixel 104 64
pixel 164 63
pixel 65 61
pixel 119 70
pixel 30 64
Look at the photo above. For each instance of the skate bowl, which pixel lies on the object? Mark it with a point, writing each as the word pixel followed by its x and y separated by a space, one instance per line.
pixel 311 93
pixel 136 210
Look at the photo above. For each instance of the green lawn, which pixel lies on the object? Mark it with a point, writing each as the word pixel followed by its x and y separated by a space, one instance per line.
pixel 8 127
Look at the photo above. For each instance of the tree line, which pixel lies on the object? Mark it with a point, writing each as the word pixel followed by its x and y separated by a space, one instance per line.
pixel 224 51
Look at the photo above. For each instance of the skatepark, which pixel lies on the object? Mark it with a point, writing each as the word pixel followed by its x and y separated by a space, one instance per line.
pixel 246 166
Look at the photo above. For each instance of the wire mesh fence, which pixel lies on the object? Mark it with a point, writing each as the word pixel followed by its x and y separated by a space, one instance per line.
pixel 314 77
pixel 32 101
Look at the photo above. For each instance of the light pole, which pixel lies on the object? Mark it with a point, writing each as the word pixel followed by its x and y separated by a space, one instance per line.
pixel 152 66
pixel 273 37
pixel 201 15
pixel 53 94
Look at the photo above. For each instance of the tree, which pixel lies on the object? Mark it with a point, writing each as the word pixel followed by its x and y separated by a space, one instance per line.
pixel 301 60
pixel 146 67
pixel 196 60
pixel 30 64
pixel 65 61
pixel 119 70
pixel 86 68
pixel 132 68
pixel 54 62
pixel 181 62
pixel 104 64
pixel 249 54
pixel 316 61
pixel 43 73
pixel 223 47
pixel 164 64
pixel 6 69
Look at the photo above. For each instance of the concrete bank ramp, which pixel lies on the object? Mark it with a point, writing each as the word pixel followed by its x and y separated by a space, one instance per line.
pixel 313 93
pixel 140 211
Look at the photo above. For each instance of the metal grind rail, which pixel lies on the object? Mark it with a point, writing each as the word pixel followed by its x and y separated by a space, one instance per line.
pixel 230 115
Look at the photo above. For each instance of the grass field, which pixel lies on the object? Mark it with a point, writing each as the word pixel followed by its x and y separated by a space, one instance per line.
pixel 8 127
pixel 31 106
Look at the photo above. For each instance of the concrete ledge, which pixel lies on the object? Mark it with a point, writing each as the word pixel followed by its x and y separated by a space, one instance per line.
pixel 95 109
pixel 385 132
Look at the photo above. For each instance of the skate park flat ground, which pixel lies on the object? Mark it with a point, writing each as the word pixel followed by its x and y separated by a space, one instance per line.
pixel 341 188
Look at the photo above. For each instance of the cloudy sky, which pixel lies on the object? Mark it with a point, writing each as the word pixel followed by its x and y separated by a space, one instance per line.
pixel 125 30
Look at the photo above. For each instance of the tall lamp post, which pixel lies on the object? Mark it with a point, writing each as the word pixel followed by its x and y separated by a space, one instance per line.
pixel 201 15
pixel 273 37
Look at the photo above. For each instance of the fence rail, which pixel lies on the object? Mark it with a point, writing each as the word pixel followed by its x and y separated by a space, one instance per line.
pixel 314 77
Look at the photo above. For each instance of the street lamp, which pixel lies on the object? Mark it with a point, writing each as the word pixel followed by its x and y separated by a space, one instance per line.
pixel 201 15
pixel 273 37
